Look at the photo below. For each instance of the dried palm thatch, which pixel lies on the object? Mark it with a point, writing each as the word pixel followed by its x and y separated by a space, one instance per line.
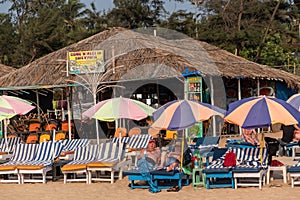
pixel 142 50
pixel 4 69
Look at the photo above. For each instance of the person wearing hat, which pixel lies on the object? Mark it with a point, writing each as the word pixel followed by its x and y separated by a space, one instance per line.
pixel 152 154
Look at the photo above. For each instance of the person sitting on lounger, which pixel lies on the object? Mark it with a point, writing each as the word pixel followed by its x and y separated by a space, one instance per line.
pixel 151 154
pixel 290 133
pixel 170 159
pixel 250 136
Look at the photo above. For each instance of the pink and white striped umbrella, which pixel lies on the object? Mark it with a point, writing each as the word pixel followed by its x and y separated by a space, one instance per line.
pixel 119 108
pixel 11 106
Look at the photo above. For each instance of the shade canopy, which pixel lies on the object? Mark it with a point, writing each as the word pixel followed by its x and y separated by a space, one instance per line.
pixel 119 108
pixel 261 112
pixel 181 114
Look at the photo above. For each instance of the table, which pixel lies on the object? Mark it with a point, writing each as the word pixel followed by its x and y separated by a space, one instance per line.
pixel 277 168
pixel 198 177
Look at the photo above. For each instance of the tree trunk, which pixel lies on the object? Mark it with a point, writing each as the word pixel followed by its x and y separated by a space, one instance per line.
pixel 266 32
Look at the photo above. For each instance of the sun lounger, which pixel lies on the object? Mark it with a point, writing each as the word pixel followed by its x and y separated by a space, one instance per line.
pixel 250 167
pixel 111 158
pixel 161 179
pixel 294 172
pixel 69 147
pixel 239 144
pixel 7 146
pixel 206 146
pixel 206 141
pixel 134 144
pixel 21 154
pixel 82 156
pixel 156 179
pixel 42 163
pixel 216 175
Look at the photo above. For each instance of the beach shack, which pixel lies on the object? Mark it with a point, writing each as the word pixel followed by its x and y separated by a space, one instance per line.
pixel 151 65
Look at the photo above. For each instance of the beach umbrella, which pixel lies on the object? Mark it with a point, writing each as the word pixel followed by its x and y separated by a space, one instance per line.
pixel 261 112
pixel 11 106
pixel 181 114
pixel 119 108
pixel 294 100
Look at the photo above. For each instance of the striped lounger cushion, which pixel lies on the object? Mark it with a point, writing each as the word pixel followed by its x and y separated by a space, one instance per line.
pixel 109 155
pixel 22 154
pixel 82 156
pixel 44 157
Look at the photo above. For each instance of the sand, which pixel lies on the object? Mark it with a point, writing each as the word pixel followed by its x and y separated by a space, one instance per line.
pixel 120 190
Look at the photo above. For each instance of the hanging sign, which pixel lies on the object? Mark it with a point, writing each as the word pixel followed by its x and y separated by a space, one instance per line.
pixel 82 62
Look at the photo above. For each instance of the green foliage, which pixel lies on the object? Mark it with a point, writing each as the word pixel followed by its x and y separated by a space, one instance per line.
pixel 7 39
pixel 32 29
pixel 136 13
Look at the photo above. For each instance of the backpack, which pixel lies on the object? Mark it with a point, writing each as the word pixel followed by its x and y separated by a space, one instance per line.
pixel 187 157
pixel 230 159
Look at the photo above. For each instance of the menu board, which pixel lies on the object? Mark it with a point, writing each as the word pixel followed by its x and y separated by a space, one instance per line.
pixel 194 93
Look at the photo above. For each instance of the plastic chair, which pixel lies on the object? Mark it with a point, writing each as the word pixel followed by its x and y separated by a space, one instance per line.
pixel 12 135
pixel 34 126
pixel 134 131
pixel 50 127
pixel 32 139
pixel 45 137
pixel 170 135
pixel 65 126
pixel 120 132
pixel 60 136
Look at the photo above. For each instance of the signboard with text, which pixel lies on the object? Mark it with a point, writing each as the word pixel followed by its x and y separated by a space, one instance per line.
pixel 81 62
pixel 194 93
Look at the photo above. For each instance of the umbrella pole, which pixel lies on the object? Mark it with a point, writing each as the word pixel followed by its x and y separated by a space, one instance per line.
pixel 182 149
pixel 261 147
pixel 5 133
pixel 69 118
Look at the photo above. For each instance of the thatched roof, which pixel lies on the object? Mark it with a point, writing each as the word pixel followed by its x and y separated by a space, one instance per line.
pixel 133 49
pixel 4 69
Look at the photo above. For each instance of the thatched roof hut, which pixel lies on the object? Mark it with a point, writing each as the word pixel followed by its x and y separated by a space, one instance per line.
pixel 4 69
pixel 132 48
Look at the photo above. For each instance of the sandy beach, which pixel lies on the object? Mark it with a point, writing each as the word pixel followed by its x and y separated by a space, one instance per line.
pixel 120 190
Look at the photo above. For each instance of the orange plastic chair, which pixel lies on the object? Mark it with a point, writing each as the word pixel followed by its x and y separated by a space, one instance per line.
pixel 65 126
pixel 34 127
pixel 134 131
pixel 32 139
pixel 50 127
pixel 45 137
pixel 120 132
pixel 12 135
pixel 60 136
